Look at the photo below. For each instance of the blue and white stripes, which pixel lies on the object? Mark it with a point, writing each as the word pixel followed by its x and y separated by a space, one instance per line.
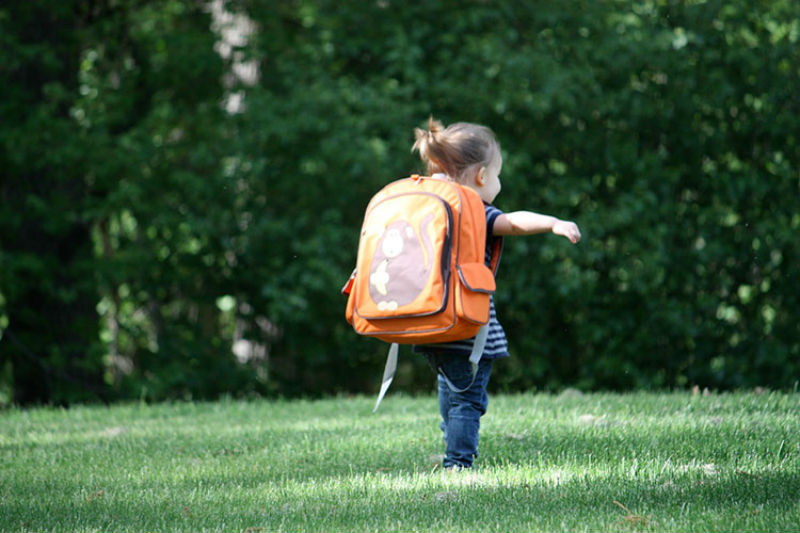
pixel 496 342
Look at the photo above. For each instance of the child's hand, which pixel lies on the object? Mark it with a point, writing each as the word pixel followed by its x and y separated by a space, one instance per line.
pixel 567 229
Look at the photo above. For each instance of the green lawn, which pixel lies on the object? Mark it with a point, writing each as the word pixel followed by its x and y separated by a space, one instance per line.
pixel 634 462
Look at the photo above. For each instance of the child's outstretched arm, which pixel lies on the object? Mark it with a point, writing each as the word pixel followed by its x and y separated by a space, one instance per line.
pixel 529 223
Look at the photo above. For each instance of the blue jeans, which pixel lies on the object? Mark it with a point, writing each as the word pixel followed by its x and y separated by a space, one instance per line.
pixel 461 411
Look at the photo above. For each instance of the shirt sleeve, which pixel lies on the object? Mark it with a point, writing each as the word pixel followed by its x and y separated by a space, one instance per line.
pixel 491 215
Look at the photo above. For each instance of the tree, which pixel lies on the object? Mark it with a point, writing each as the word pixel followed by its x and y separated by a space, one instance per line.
pixel 187 196
pixel 46 246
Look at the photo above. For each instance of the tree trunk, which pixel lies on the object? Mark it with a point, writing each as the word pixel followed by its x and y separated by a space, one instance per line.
pixel 47 276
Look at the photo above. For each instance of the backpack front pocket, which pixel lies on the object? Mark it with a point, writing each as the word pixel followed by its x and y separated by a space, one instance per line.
pixel 405 248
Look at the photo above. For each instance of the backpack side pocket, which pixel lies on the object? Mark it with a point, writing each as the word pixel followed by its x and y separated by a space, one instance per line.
pixel 476 285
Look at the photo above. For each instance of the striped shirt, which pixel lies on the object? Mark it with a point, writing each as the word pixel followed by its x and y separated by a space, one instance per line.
pixel 496 342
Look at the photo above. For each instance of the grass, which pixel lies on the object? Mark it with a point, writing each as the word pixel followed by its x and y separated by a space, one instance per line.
pixel 633 462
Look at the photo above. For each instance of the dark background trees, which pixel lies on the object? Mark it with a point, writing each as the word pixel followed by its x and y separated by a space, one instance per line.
pixel 183 182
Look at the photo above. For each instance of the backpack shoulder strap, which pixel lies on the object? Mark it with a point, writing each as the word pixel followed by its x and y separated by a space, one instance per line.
pixel 497 252
pixel 474 358
pixel 388 373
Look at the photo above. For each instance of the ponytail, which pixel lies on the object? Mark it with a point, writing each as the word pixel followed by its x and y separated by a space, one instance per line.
pixel 458 150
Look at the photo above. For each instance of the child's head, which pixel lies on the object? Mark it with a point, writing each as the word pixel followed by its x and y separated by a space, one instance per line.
pixel 467 153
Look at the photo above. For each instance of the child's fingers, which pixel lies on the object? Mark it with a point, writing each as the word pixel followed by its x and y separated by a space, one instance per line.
pixel 569 230
pixel 572 233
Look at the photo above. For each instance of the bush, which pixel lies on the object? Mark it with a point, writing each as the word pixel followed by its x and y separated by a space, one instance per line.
pixel 667 130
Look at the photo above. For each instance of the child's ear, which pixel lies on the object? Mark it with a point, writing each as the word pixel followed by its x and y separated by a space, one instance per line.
pixel 479 178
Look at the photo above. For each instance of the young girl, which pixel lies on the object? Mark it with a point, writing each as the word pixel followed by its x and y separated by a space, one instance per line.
pixel 470 155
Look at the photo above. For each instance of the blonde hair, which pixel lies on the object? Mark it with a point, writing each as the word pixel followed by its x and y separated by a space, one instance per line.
pixel 459 150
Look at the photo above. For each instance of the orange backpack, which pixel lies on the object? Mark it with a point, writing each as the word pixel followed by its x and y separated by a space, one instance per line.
pixel 420 275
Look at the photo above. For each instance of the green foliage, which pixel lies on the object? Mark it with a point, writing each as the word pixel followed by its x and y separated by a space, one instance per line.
pixel 46 276
pixel 676 158
pixel 154 226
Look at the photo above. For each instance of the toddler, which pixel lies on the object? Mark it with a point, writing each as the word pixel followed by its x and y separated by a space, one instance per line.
pixel 470 155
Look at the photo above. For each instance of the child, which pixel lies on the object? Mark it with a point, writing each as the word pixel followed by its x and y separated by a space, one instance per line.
pixel 470 155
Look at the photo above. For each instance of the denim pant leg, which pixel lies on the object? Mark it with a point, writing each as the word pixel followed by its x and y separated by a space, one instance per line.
pixel 461 412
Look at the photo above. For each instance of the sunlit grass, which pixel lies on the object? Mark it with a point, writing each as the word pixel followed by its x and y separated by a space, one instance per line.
pixel 637 462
